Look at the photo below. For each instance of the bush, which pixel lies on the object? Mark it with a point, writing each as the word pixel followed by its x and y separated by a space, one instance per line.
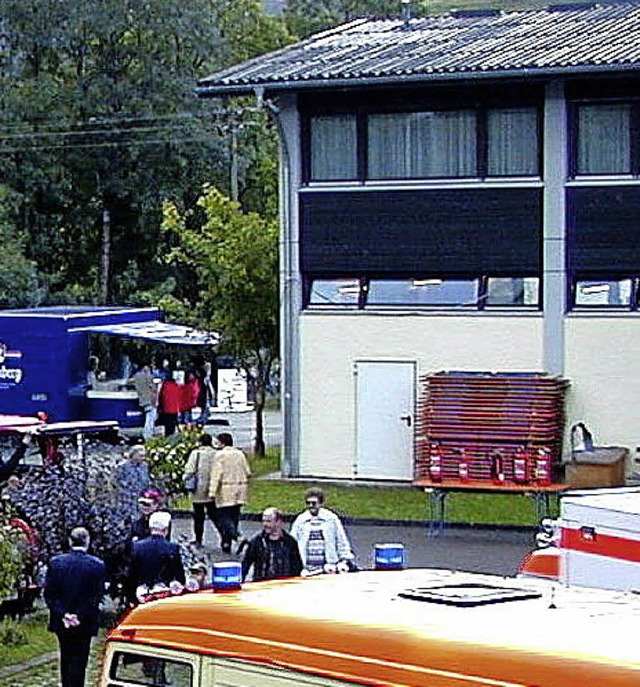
pixel 11 634
pixel 13 554
pixel 167 457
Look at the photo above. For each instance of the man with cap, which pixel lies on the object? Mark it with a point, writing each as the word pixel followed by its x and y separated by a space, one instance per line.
pixel 155 560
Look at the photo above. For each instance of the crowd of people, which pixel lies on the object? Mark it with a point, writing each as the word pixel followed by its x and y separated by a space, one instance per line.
pixel 168 394
pixel 149 560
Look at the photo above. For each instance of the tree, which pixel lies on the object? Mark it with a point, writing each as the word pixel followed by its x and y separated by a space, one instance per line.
pixel 305 17
pixel 234 256
pixel 18 278
pixel 102 123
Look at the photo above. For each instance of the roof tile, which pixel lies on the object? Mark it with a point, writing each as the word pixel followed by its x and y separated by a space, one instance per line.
pixel 552 40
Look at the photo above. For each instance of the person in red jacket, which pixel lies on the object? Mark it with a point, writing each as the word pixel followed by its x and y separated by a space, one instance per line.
pixel 190 394
pixel 170 404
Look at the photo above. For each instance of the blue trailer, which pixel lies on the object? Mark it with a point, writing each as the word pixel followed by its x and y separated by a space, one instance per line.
pixel 44 354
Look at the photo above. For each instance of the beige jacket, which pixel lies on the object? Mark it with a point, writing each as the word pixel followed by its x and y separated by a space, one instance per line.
pixel 201 458
pixel 229 482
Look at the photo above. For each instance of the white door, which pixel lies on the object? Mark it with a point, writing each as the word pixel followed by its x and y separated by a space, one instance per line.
pixel 385 399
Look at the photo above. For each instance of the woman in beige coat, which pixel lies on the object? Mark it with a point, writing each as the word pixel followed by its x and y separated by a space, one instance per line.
pixel 201 462
pixel 229 487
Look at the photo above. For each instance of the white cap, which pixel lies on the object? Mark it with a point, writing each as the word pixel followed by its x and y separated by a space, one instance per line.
pixel 160 520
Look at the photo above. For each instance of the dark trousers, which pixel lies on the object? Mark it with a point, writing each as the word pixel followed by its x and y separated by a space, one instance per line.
pixel 199 510
pixel 170 422
pixel 228 518
pixel 74 655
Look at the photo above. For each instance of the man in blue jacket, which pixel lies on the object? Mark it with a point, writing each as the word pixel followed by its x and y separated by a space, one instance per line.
pixel 73 590
pixel 155 560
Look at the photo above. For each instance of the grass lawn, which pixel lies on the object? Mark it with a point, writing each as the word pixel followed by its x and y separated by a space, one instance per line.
pixel 21 640
pixel 386 503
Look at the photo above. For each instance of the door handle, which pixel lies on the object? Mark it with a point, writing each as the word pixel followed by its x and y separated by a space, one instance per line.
pixel 407 419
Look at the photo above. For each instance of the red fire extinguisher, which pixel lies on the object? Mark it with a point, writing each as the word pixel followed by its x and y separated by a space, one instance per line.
pixel 435 463
pixel 463 467
pixel 542 469
pixel 521 466
pixel 497 468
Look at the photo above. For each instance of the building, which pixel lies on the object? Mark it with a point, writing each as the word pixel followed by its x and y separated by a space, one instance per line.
pixel 459 192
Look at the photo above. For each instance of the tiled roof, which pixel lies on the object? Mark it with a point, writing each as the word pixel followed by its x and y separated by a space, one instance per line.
pixel 562 38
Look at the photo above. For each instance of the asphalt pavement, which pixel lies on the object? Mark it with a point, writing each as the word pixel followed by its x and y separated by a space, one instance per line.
pixel 497 551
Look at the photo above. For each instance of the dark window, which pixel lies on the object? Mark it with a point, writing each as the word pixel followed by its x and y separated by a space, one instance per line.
pixel 154 671
pixel 427 144
pixel 422 145
pixel 513 142
pixel 333 148
pixel 603 138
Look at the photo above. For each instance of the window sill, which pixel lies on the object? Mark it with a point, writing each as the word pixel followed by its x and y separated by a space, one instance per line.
pixel 426 311
pixel 399 184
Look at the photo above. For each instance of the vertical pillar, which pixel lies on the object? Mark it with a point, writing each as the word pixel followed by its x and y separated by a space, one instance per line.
pixel 290 282
pixel 554 227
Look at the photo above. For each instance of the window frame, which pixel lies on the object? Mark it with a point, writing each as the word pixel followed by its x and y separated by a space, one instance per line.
pixel 573 128
pixel 634 296
pixel 480 304
pixel 480 108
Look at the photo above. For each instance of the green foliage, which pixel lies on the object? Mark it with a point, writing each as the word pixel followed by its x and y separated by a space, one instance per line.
pixel 304 17
pixel 100 117
pixel 11 634
pixel 38 641
pixel 167 458
pixel 18 279
pixel 13 554
pixel 234 256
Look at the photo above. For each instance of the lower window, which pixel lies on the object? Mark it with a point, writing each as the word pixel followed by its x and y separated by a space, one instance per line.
pixel 604 293
pixel 423 292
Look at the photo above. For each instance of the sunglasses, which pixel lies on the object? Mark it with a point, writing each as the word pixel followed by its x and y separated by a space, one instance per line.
pixel 313 503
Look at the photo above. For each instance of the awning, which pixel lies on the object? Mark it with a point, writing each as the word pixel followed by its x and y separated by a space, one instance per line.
pixel 162 332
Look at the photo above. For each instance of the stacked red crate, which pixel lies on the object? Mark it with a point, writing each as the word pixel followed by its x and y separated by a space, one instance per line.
pixel 495 427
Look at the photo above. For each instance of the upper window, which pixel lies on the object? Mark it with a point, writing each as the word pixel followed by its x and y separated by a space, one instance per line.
pixel 421 145
pixel 435 144
pixel 333 147
pixel 512 142
pixel 603 139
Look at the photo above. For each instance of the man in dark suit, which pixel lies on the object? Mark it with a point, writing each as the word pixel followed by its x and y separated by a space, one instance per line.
pixel 73 590
pixel 155 560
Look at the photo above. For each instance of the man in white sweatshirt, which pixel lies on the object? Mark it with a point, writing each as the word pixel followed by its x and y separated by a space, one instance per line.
pixel 321 538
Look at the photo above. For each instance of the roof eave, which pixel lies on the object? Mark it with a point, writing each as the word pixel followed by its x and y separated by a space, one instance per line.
pixel 233 90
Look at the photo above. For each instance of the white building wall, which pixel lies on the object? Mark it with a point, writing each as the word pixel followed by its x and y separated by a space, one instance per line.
pixel 603 366
pixel 331 344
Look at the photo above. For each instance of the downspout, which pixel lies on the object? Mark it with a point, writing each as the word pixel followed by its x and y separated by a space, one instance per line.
pixel 289 294
pixel 554 228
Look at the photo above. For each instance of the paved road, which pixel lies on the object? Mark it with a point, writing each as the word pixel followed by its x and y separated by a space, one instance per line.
pixel 243 427
pixel 477 550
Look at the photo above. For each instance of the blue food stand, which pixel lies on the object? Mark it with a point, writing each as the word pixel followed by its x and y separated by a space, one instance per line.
pixel 44 353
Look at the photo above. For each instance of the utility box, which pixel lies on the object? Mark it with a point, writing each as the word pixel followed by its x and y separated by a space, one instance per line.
pixel 601 467
pixel 600 538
